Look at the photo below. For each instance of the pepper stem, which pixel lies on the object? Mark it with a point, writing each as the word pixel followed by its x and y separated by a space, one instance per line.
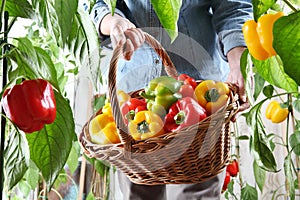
pixel 130 115
pixel 179 117
pixel 143 127
pixel 212 95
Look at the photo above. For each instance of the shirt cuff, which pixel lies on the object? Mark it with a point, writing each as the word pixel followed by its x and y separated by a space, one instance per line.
pixel 230 39
pixel 99 13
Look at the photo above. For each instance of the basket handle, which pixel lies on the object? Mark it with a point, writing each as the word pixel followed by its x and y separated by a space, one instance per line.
pixel 118 50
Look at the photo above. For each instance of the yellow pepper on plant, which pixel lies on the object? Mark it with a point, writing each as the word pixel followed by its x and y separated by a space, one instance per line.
pixel 275 112
pixel 212 95
pixel 259 35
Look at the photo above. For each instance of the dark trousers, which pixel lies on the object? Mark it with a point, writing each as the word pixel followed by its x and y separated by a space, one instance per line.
pixel 208 190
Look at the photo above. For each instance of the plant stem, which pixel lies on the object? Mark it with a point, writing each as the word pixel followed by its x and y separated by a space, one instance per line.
pixel 294 129
pixel 290 5
pixel 237 151
pixel 1 13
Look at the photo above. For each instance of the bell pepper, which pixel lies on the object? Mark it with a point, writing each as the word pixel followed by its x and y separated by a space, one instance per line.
pixel 103 130
pixel 259 35
pixel 122 97
pixel 187 80
pixel 212 95
pixel 30 105
pixel 131 107
pixel 276 113
pixel 185 112
pixel 188 87
pixel 146 124
pixel 161 93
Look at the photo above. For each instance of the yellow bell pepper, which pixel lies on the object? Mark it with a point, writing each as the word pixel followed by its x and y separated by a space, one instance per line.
pixel 102 128
pixel 276 113
pixel 122 97
pixel 146 124
pixel 212 95
pixel 259 35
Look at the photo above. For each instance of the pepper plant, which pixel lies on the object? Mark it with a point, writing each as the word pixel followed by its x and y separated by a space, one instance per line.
pixel 276 77
pixel 58 43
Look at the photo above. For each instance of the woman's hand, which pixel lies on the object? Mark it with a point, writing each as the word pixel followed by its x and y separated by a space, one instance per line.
pixel 122 33
pixel 235 76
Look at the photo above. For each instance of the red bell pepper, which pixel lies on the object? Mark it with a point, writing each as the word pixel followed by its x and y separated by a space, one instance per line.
pixel 185 112
pixel 188 87
pixel 187 80
pixel 131 107
pixel 30 105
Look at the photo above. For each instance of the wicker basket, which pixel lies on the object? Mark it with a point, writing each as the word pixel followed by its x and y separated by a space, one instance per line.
pixel 192 155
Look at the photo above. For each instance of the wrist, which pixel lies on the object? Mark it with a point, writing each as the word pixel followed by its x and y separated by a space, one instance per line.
pixel 108 22
pixel 234 56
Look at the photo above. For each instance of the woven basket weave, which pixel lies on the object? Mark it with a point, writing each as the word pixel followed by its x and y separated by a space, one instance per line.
pixel 192 155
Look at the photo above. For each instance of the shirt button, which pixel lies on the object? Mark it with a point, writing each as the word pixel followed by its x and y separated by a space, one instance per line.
pixel 156 60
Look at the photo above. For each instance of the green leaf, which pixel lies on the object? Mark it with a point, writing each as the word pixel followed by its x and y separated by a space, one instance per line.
pixel 249 192
pixel 243 137
pixel 101 167
pixel 24 68
pixel 112 5
pixel 288 171
pixel 48 16
pixel 259 85
pixel 295 142
pixel 32 175
pixel 268 91
pixel 85 45
pixel 261 6
pixel 258 143
pixel 33 62
pixel 272 71
pixel 296 104
pixel 168 13
pixel 260 176
pixel 19 8
pixel 286 42
pixel 24 188
pixel 65 11
pixel 50 147
pixel 16 154
pixel 73 157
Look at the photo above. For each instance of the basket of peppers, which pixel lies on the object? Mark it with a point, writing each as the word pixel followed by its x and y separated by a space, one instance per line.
pixel 174 131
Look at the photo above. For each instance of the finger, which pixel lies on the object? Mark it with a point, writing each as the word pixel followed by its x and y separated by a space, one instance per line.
pixel 128 49
pixel 242 107
pixel 242 93
pixel 117 36
pixel 135 38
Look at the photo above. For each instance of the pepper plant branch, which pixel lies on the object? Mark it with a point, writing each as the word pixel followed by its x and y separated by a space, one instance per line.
pixel 294 129
pixel 1 13
pixel 3 119
pixel 290 5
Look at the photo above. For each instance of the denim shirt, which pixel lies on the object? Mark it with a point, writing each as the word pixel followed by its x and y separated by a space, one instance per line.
pixel 208 29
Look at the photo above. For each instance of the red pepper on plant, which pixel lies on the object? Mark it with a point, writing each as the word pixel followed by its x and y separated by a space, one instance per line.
pixel 30 105
pixel 185 112
pixel 233 168
pixel 131 107
pixel 226 181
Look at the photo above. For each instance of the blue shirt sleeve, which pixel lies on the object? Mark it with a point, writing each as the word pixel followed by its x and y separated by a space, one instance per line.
pixel 228 19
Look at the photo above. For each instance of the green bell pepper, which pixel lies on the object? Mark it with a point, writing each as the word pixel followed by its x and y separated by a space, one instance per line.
pixel 161 93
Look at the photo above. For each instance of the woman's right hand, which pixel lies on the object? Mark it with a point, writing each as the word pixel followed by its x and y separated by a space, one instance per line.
pixel 122 33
